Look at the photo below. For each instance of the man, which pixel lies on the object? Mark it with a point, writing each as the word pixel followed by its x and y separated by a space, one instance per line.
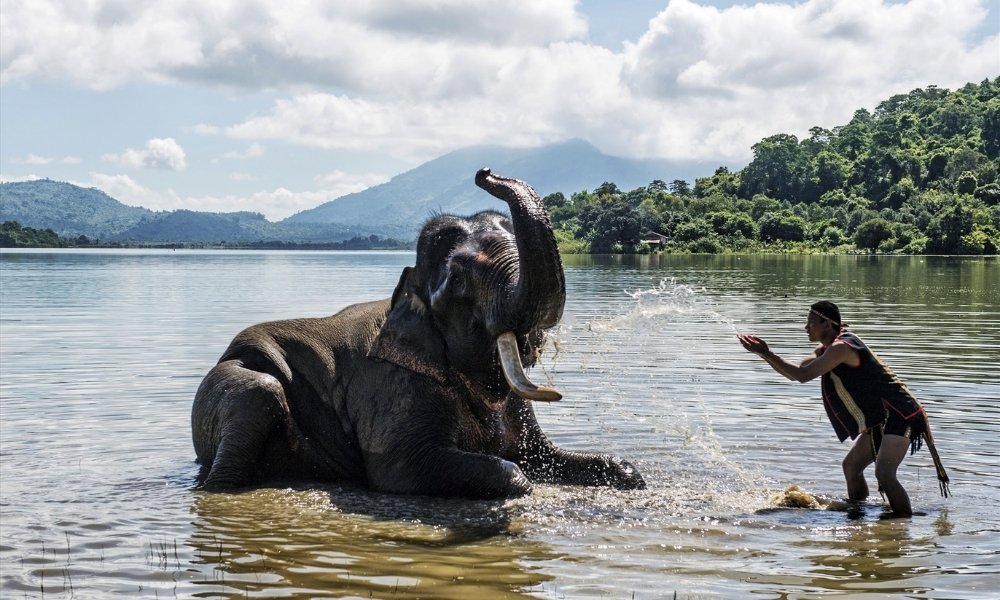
pixel 864 401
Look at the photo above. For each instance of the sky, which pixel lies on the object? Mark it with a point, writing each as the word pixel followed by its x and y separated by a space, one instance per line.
pixel 276 106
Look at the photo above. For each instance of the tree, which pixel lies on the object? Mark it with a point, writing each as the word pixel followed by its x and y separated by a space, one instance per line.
pixel 655 206
pixel 610 226
pixel 936 165
pixel 679 187
pixel 899 193
pixel 962 160
pixel 947 229
pixel 870 234
pixel 671 220
pixel 554 200
pixel 731 224
pixel 782 226
pixel 991 128
pixel 989 194
pixel 13 235
pixel 779 169
pixel 854 139
pixel 762 205
pixel 607 189
pixel 722 182
pixel 713 203
pixel 833 236
pixel 966 183
pixel 692 231
pixel 562 215
pixel 831 170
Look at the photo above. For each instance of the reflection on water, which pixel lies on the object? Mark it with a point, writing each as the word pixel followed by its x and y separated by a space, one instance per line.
pixel 351 541
pixel 879 557
pixel 100 354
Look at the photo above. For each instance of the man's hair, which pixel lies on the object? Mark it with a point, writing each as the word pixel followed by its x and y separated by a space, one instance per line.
pixel 827 310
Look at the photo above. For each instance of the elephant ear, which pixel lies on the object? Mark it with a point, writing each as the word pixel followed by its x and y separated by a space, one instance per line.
pixel 408 337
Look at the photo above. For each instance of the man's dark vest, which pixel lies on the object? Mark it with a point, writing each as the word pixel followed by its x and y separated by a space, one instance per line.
pixel 859 398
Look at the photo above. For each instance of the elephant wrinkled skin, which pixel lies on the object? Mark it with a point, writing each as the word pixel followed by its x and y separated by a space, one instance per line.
pixel 422 393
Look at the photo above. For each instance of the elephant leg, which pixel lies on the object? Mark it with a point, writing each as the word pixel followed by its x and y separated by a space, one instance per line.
pixel 237 412
pixel 543 461
pixel 450 472
pixel 579 468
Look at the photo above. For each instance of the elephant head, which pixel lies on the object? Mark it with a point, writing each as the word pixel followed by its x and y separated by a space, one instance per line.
pixel 483 290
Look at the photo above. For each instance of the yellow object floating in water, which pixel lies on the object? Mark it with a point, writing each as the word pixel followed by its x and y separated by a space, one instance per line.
pixel 796 497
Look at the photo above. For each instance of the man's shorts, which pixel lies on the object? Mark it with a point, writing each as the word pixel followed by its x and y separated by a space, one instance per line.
pixel 909 428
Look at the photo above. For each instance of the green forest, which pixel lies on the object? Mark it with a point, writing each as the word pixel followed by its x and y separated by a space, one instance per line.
pixel 13 235
pixel 919 175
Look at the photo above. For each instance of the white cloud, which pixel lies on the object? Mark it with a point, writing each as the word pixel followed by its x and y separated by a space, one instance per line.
pixel 252 43
pixel 274 204
pixel 4 178
pixel 544 95
pixel 339 183
pixel 701 83
pixel 34 159
pixel 693 50
pixel 415 78
pixel 159 153
pixel 254 151
pixel 206 129
pixel 127 191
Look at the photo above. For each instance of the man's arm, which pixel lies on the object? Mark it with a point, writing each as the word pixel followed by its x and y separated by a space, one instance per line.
pixel 810 368
pixel 815 354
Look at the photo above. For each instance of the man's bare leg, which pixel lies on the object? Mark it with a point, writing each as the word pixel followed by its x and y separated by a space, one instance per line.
pixel 890 455
pixel 855 463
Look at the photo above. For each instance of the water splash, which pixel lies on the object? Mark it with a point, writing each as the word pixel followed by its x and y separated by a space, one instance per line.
pixel 646 370
pixel 670 298
pixel 666 303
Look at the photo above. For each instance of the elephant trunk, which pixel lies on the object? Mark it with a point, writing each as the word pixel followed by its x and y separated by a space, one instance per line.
pixel 537 299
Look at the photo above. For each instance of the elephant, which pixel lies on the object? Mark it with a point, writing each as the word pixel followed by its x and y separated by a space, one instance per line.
pixel 423 393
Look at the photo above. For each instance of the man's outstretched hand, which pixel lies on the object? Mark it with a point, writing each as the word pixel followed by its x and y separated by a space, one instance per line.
pixel 753 344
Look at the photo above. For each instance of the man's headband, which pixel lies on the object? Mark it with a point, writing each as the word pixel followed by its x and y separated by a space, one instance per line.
pixel 813 311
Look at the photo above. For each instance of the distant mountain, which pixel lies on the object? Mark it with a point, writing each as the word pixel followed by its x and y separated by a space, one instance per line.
pixel 191 226
pixel 445 184
pixel 72 211
pixel 67 209
pixel 395 209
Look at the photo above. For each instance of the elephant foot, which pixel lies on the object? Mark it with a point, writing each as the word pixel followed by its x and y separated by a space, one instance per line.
pixel 519 485
pixel 592 469
pixel 623 475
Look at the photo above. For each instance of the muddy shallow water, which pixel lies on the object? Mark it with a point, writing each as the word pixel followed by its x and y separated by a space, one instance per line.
pixel 100 354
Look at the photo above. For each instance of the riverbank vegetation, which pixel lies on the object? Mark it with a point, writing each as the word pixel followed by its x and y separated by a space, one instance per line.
pixel 918 175
pixel 13 235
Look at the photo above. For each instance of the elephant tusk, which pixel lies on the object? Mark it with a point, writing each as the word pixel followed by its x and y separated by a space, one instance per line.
pixel 510 359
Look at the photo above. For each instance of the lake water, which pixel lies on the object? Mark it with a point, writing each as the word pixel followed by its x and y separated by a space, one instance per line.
pixel 101 353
